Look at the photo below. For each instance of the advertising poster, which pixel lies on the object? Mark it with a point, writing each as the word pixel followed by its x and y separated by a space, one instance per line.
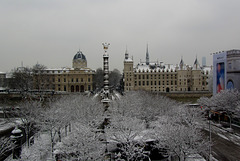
pixel 220 76
pixel 219 72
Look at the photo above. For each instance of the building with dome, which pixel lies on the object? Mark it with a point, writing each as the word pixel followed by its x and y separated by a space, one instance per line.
pixel 160 77
pixel 79 61
pixel 79 78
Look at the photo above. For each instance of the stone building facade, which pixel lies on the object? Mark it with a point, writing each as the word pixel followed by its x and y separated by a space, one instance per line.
pixel 79 78
pixel 160 77
pixel 233 69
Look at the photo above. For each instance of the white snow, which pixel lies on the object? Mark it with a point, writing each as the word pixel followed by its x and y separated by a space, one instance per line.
pixel 146 68
pixel 222 136
pixel 2 88
pixel 128 60
pixel 4 125
pixel 195 157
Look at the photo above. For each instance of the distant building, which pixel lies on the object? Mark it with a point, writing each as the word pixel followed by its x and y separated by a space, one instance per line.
pixel 79 78
pixel 160 77
pixel 2 79
pixel 226 70
pixel 233 69
pixel 204 62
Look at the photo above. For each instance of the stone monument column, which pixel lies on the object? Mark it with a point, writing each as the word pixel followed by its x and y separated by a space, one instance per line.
pixel 105 98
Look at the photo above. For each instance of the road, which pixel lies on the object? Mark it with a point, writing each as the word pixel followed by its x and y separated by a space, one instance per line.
pixel 226 146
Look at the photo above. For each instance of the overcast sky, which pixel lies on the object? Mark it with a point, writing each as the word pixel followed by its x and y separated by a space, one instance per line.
pixel 50 32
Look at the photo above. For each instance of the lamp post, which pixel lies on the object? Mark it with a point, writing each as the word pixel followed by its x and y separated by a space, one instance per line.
pixel 210 137
pixel 16 138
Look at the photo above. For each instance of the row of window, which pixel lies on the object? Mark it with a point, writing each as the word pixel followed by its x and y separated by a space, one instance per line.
pixel 155 77
pixel 167 76
pixel 168 89
pixel 151 76
pixel 58 71
pixel 72 88
pixel 147 83
pixel 73 80
pixel 155 71
pixel 64 80
pixel 50 71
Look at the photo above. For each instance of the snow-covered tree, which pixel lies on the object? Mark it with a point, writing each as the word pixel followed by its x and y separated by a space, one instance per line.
pixel 51 122
pixel 226 100
pixel 29 112
pixel 87 110
pixel 131 121
pixel 66 111
pixel 210 81
pixel 114 78
pixel 40 150
pixel 143 105
pixel 22 78
pixel 129 135
pixel 133 114
pixel 39 77
pixel 98 79
pixel 5 146
pixel 83 143
pixel 180 133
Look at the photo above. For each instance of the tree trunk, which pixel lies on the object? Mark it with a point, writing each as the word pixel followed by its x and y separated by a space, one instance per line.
pixel 27 135
pixel 59 135
pixel 65 130
pixel 51 142
pixel 70 127
pixel 230 120
pixel 219 119
pixel 181 158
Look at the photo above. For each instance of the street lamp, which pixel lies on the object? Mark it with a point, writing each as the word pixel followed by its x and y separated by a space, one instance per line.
pixel 16 138
pixel 210 137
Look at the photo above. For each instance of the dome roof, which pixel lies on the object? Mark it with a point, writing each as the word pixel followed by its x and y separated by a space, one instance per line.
pixel 79 55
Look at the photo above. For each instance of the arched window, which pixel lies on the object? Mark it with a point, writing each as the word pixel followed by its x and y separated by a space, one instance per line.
pixel 72 88
pixel 77 88
pixel 82 88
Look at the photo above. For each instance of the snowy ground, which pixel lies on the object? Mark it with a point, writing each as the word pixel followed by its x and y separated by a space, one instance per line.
pixel 6 124
pixel 42 154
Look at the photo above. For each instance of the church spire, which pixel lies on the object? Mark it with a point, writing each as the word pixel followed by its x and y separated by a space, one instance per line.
pixel 126 54
pixel 181 64
pixel 196 64
pixel 147 56
pixel 196 61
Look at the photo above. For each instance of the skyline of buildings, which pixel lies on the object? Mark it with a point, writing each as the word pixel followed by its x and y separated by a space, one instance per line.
pixel 160 77
pixel 144 75
pixel 21 64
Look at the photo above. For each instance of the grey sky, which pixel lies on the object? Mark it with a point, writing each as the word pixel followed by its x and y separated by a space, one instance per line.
pixel 52 31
